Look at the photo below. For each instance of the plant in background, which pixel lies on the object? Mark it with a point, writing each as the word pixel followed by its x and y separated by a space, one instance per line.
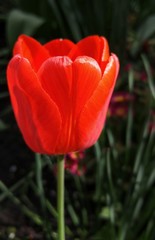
pixel 119 104
pixel 74 163
pixel 60 94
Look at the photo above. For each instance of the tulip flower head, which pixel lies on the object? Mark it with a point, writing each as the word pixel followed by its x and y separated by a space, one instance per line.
pixel 60 91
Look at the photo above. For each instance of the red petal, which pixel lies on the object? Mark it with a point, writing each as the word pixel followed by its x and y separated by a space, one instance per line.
pixel 31 49
pixel 86 77
pixel 59 47
pixel 36 114
pixel 56 78
pixel 92 46
pixel 70 85
pixel 94 113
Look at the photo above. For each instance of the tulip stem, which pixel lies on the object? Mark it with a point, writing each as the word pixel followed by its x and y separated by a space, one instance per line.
pixel 60 199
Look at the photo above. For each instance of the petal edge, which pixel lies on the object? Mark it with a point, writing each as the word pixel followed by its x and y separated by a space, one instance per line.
pixel 33 108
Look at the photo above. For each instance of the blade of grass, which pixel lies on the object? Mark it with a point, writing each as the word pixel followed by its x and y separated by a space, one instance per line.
pixel 100 164
pixel 39 181
pixel 58 16
pixel 71 20
pixel 109 174
pixel 51 209
pixel 149 74
pixel 33 216
pixel 73 215
pixel 17 185
pixel 141 147
pixel 130 114
pixel 49 206
pixel 111 196
pixel 111 140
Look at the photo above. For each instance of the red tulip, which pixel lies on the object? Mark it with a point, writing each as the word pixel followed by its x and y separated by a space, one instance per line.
pixel 60 91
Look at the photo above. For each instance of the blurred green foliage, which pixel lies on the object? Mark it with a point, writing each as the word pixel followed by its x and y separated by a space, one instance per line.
pixel 114 200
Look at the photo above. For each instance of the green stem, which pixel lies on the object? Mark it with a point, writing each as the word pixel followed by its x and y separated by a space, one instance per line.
pixel 60 199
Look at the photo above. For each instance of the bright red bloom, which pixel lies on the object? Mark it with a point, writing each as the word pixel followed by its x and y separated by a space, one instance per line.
pixel 60 92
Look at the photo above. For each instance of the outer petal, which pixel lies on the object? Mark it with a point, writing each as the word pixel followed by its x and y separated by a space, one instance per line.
pixel 69 85
pixel 36 114
pixel 59 47
pixel 55 76
pixel 92 46
pixel 93 116
pixel 86 77
pixel 31 49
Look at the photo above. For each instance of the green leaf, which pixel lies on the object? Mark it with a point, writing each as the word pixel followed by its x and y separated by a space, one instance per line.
pixel 21 23
pixel 145 31
pixel 3 125
pixel 147 67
